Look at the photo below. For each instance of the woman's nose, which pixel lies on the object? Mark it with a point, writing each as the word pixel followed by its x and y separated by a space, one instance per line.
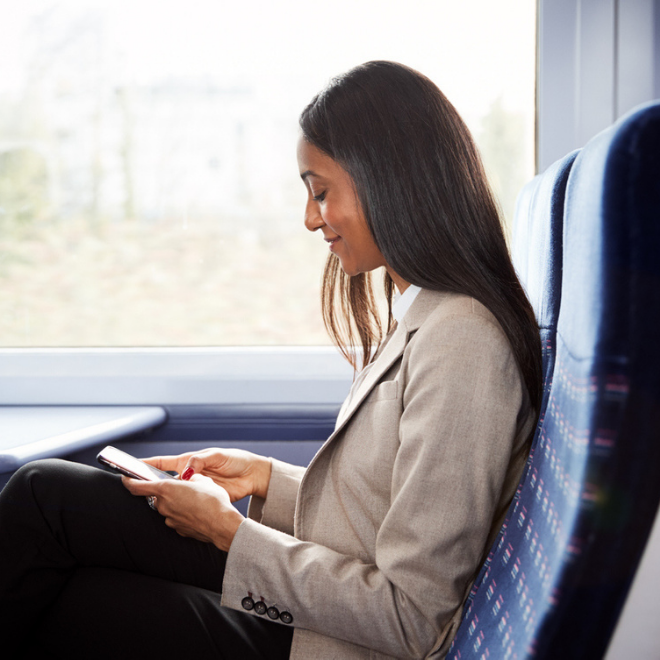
pixel 313 219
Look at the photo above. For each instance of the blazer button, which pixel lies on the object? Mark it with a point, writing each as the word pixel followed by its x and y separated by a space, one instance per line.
pixel 285 617
pixel 247 603
pixel 273 612
pixel 260 607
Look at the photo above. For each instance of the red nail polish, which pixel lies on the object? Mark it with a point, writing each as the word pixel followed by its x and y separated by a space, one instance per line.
pixel 187 473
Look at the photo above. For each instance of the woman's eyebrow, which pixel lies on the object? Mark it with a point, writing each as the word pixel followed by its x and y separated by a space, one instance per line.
pixel 307 173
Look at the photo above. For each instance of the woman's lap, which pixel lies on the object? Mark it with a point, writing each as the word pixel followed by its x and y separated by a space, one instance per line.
pixel 97 522
pixel 60 523
pixel 108 614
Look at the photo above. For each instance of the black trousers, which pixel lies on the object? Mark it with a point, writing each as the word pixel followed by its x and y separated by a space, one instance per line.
pixel 89 571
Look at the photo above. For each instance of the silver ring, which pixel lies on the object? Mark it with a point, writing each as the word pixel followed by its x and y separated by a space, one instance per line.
pixel 151 501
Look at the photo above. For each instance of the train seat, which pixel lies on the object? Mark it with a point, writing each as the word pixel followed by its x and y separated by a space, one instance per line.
pixel 537 253
pixel 557 578
pixel 536 249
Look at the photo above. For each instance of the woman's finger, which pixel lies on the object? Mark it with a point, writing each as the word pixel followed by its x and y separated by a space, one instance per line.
pixel 200 478
pixel 196 463
pixel 165 462
pixel 139 487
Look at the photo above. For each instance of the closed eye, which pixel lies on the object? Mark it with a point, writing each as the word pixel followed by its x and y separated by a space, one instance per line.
pixel 320 197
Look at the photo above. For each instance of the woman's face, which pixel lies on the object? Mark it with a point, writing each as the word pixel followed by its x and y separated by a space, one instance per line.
pixel 333 207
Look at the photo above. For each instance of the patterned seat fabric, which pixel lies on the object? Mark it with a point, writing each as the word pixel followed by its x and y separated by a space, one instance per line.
pixel 556 579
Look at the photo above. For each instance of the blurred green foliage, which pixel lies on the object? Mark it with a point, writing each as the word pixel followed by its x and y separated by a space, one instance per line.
pixel 503 143
pixel 24 187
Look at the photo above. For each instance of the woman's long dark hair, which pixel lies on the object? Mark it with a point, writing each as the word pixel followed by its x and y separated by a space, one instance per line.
pixel 427 202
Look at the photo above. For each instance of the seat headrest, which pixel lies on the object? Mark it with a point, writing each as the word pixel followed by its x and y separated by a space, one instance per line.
pixel 610 227
pixel 537 239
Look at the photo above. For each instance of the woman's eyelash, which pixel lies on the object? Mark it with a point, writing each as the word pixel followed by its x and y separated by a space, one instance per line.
pixel 320 197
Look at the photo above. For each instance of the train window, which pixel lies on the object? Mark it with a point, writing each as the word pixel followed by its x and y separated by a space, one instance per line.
pixel 149 193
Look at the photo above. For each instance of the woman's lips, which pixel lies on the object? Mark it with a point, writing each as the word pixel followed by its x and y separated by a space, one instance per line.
pixel 332 242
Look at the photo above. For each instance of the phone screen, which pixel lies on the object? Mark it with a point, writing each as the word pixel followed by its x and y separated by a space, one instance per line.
pixel 130 466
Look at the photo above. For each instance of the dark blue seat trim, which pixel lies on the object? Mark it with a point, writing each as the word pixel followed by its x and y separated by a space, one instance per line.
pixel 263 422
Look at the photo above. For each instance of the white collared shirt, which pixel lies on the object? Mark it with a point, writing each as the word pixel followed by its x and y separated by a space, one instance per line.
pixel 403 301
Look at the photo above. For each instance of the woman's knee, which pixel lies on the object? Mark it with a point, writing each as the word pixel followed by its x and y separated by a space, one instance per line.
pixel 40 479
pixel 17 499
pixel 43 469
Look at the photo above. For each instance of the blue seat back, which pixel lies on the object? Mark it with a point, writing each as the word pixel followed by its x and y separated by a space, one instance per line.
pixel 536 246
pixel 537 253
pixel 555 583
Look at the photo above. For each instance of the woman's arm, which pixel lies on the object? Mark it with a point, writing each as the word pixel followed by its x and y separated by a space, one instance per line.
pixel 241 473
pixel 452 474
pixel 277 507
pixel 272 484
pixel 198 508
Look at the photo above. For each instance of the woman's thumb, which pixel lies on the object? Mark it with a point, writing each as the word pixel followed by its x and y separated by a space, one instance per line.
pixel 195 465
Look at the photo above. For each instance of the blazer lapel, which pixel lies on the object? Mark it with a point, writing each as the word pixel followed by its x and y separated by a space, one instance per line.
pixel 392 351
pixel 423 305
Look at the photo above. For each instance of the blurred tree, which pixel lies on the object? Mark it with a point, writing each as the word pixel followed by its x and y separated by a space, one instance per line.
pixel 23 187
pixel 502 141
pixel 126 150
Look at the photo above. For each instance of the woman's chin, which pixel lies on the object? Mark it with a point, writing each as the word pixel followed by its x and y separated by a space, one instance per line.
pixel 350 270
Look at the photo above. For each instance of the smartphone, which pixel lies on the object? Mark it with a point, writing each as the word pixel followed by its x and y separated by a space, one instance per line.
pixel 123 463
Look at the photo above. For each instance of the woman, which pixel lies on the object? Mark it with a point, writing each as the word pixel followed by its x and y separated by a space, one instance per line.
pixel 370 552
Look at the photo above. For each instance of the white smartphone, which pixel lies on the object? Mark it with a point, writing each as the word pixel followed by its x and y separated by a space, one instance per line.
pixel 123 463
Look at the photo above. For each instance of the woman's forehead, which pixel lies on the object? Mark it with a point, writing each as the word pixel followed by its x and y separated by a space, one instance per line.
pixel 314 162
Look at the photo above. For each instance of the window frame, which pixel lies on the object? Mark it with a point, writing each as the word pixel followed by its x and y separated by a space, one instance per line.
pixel 570 111
pixel 174 376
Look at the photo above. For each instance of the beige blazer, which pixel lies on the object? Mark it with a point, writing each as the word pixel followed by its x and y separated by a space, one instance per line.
pixel 374 547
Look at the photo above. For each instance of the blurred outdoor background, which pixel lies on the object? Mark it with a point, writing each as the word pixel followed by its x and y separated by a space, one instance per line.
pixel 149 191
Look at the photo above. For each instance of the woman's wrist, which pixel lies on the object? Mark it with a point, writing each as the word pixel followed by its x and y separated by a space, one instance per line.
pixel 264 468
pixel 232 521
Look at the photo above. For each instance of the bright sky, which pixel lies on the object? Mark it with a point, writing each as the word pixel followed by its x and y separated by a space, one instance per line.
pixel 475 50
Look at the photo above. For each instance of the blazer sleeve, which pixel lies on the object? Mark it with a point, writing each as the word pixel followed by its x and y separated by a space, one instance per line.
pixel 458 433
pixel 278 509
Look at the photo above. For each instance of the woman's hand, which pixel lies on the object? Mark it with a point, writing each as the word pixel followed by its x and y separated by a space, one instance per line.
pixel 198 508
pixel 239 472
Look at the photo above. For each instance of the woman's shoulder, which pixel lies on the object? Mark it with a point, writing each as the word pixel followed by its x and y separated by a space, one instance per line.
pixel 445 313
pixel 459 336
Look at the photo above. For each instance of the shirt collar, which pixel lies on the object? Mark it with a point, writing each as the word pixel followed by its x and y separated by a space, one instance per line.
pixel 403 301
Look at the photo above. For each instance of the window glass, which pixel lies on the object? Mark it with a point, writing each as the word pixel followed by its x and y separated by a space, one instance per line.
pixel 149 192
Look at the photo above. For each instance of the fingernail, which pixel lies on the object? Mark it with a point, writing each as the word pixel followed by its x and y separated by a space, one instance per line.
pixel 187 473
